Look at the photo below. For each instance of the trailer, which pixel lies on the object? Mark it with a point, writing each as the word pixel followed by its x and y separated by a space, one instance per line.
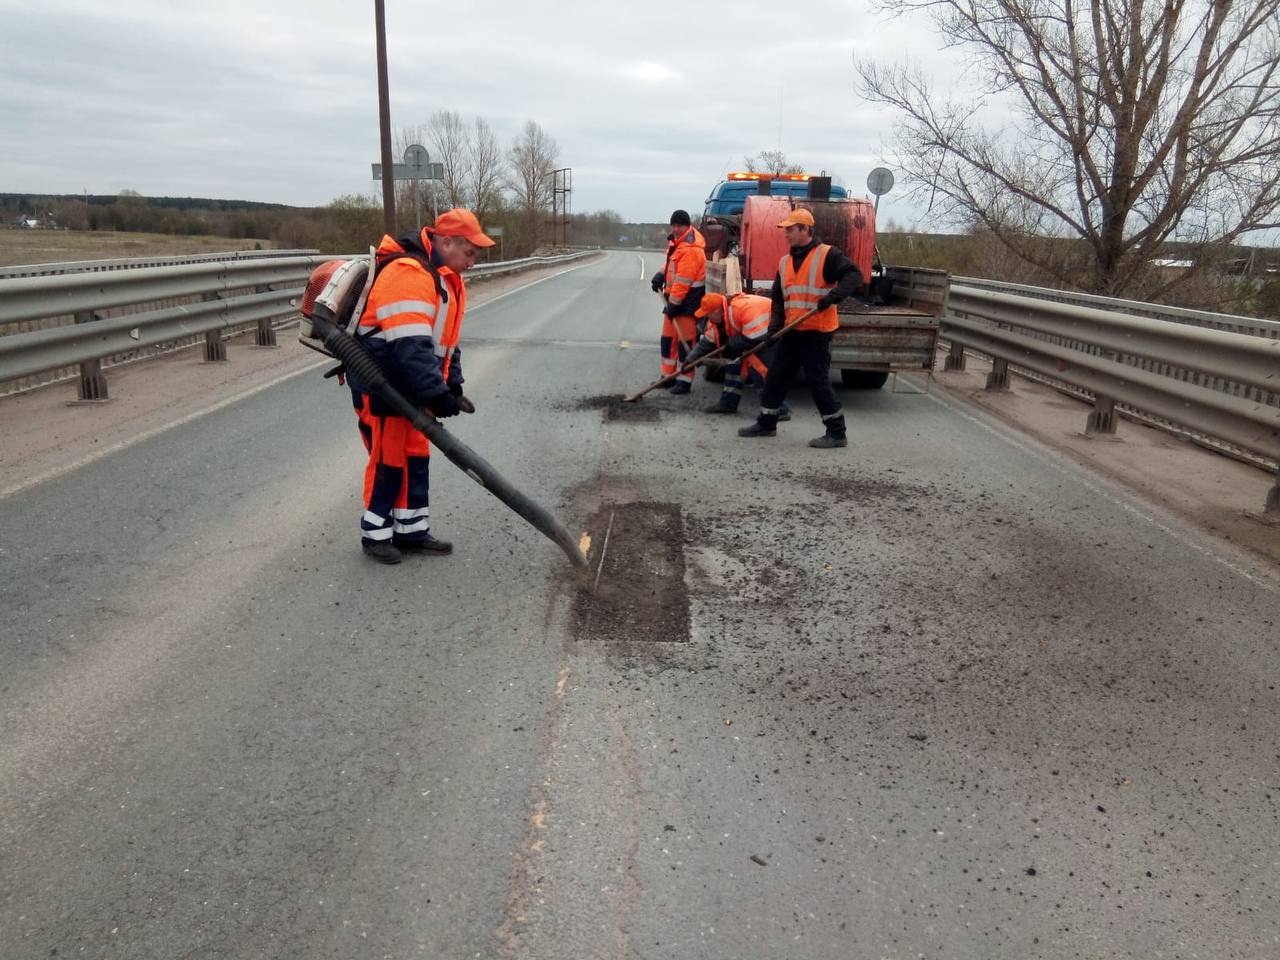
pixel 899 334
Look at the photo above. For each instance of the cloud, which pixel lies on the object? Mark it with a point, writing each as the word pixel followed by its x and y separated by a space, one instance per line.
pixel 650 105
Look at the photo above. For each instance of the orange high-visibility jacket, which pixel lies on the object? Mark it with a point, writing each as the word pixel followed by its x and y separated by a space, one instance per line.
pixel 411 323
pixel 746 315
pixel 687 271
pixel 802 288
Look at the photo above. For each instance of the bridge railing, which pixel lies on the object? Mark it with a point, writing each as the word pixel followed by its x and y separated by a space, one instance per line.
pixel 1213 377
pixel 69 322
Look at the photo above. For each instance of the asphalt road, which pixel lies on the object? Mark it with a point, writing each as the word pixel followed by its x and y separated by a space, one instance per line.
pixel 939 694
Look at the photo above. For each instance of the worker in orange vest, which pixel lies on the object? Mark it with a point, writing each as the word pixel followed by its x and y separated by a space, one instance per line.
pixel 737 322
pixel 684 279
pixel 811 276
pixel 410 325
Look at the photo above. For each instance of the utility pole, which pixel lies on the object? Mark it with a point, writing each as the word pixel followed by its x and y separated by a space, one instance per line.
pixel 384 121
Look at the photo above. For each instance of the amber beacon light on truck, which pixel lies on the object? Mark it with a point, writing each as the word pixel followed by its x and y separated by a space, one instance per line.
pixel 770 176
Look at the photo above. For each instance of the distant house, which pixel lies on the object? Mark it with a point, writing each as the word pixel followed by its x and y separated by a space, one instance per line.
pixel 28 223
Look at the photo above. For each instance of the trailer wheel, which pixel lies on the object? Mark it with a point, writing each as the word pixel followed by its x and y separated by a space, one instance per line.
pixel 864 379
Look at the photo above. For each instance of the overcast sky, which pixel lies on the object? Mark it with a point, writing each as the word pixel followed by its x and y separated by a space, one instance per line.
pixel 650 103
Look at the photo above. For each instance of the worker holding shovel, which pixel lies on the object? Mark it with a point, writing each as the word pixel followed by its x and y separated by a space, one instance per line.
pixel 812 278
pixel 737 323
pixel 684 280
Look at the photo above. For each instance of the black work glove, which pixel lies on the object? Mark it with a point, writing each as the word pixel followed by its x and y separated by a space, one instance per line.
pixel 736 346
pixel 443 405
pixel 658 282
pixel 700 350
pixel 828 301
pixel 673 309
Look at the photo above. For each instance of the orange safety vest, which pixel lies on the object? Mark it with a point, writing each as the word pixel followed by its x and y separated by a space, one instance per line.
pixel 802 289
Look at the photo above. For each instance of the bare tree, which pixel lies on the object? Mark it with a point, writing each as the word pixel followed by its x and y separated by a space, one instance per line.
pixel 531 162
pixel 771 161
pixel 1133 123
pixel 484 169
pixel 447 142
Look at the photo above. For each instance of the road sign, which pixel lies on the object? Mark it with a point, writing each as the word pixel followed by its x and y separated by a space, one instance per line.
pixel 403 171
pixel 880 181
pixel 493 231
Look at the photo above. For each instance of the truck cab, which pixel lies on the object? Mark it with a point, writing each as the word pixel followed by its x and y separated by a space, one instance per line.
pixel 730 195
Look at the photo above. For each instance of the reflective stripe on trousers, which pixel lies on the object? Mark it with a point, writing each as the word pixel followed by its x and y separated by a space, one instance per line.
pixel 673 351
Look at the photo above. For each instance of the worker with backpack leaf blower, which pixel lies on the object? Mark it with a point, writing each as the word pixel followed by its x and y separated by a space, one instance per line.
pixel 410 326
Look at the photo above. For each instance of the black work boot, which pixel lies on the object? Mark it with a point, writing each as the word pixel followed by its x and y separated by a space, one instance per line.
pixel 427 545
pixel 765 426
pixel 835 435
pixel 719 407
pixel 829 440
pixel 680 388
pixel 384 551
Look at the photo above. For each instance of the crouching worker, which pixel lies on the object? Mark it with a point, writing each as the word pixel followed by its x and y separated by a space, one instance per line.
pixel 737 323
pixel 410 325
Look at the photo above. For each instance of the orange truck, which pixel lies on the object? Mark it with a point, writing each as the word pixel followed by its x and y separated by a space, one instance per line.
pixel 891 325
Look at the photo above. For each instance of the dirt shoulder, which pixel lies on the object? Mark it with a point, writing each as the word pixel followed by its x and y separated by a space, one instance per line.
pixel 1222 496
pixel 47 432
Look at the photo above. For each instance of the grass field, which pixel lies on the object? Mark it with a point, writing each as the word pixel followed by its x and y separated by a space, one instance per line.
pixel 21 247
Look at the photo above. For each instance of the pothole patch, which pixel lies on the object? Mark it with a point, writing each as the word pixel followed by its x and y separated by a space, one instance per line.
pixel 615 408
pixel 634 589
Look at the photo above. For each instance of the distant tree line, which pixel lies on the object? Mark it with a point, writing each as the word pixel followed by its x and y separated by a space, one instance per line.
pixel 509 187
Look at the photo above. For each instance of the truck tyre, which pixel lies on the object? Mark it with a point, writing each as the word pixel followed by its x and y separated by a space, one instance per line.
pixel 864 379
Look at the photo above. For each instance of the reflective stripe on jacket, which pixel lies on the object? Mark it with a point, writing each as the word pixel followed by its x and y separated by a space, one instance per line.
pixel 802 288
pixel 687 271
pixel 747 314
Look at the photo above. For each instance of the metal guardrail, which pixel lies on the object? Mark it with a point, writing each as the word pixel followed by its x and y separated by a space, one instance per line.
pixel 136 263
pixel 169 306
pixel 1222 386
pixel 1137 308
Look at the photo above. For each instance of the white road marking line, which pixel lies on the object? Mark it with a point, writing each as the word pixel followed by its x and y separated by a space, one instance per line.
pixel 640 257
pixel 1059 462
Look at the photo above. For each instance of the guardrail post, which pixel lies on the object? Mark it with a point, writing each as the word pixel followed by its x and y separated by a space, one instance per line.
pixel 1272 510
pixel 215 348
pixel 1102 419
pixel 998 378
pixel 266 335
pixel 93 382
pixel 955 358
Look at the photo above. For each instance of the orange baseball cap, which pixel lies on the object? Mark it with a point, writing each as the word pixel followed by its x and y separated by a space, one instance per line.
pixel 711 302
pixel 799 217
pixel 461 223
